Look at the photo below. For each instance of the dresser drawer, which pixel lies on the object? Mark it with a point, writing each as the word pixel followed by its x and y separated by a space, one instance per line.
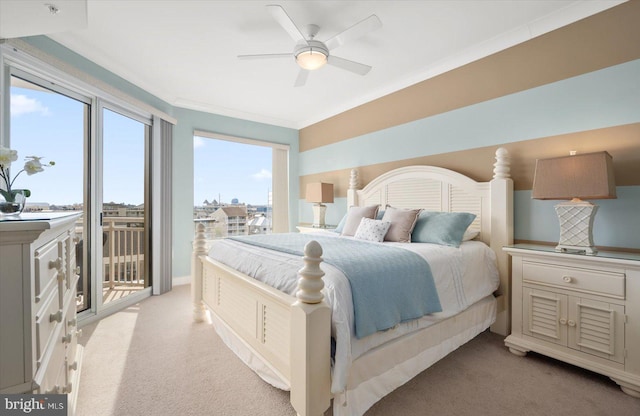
pixel 48 262
pixel 52 377
pixel 48 318
pixel 600 282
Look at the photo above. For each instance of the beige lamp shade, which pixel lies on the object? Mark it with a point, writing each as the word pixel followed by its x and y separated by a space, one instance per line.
pixel 583 176
pixel 319 193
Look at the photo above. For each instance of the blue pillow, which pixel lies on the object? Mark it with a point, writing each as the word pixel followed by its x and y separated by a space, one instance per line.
pixel 444 228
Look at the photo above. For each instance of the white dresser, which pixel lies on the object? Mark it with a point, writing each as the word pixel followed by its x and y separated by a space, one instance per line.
pixel 581 309
pixel 38 326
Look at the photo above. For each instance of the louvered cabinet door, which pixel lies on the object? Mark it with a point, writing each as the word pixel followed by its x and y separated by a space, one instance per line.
pixel 596 328
pixel 544 315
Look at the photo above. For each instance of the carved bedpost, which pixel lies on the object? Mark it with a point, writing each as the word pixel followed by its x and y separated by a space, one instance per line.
pixel 354 185
pixel 311 339
pixel 502 235
pixel 199 249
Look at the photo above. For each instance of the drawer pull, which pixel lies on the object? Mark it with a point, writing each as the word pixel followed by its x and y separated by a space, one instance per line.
pixel 66 339
pixel 68 389
pixel 572 322
pixel 72 322
pixel 73 366
pixel 57 317
pixel 567 279
pixel 563 321
pixel 56 264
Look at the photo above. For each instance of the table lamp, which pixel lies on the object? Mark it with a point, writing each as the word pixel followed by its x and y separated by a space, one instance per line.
pixel 319 193
pixel 574 178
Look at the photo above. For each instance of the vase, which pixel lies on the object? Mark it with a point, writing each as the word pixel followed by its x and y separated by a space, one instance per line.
pixel 12 203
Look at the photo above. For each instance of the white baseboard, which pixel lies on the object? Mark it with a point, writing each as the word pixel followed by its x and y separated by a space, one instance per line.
pixel 181 280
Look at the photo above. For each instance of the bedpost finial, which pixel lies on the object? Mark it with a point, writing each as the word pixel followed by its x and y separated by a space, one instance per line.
pixel 502 167
pixel 353 179
pixel 310 283
pixel 200 239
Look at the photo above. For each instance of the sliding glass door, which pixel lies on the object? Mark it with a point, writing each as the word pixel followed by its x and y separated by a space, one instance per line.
pixel 52 123
pixel 96 160
pixel 125 202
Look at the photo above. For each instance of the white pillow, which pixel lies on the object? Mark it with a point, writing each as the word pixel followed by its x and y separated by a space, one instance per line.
pixel 372 230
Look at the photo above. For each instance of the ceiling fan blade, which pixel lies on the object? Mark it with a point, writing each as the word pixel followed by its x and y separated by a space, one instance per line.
pixel 361 28
pixel 355 67
pixel 266 56
pixel 302 78
pixel 285 21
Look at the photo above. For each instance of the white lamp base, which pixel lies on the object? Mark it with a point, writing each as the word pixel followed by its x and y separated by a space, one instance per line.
pixel 576 226
pixel 318 215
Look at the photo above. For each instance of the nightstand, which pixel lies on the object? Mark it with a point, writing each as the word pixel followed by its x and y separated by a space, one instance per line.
pixel 308 228
pixel 581 309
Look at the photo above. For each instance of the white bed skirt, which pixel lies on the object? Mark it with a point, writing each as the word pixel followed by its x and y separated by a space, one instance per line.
pixel 383 369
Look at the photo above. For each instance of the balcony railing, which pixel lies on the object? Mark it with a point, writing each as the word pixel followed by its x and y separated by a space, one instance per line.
pixel 123 252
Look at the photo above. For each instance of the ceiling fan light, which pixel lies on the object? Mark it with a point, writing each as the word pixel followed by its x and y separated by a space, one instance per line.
pixel 311 59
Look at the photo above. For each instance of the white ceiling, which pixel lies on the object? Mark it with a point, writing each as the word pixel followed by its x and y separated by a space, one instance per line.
pixel 185 52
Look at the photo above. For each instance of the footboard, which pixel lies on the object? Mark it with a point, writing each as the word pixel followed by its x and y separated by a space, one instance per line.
pixel 292 335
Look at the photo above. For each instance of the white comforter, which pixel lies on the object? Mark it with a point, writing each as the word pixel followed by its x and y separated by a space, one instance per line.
pixel 462 276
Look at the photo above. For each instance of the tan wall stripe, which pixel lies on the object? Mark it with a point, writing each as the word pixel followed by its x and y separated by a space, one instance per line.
pixel 597 42
pixel 622 142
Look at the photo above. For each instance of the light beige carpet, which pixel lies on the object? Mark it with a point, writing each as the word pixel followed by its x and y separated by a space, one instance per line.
pixel 152 360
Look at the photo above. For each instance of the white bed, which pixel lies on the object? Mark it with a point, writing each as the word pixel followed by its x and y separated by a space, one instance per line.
pixel 285 337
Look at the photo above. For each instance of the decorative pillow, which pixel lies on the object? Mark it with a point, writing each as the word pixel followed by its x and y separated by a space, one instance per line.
pixel 402 223
pixel 444 228
pixel 354 215
pixel 372 230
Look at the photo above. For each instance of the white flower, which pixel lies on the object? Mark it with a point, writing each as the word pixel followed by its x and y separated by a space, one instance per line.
pixel 33 165
pixel 7 156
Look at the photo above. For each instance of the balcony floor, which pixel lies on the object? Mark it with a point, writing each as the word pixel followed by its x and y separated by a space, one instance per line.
pixel 119 292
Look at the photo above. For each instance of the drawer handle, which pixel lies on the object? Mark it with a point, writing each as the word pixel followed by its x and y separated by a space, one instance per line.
pixel 66 339
pixel 56 264
pixel 57 317
pixel 567 279
pixel 73 366
pixel 72 322
pixel 68 389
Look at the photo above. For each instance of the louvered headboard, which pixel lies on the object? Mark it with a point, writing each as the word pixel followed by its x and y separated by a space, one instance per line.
pixel 438 189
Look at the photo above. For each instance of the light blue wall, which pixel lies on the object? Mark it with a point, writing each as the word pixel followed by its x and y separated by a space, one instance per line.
pixel 600 99
pixel 188 121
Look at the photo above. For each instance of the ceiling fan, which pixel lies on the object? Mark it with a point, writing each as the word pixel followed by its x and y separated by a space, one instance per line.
pixel 311 54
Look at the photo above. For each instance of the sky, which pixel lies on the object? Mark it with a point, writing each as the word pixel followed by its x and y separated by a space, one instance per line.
pixel 51 126
pixel 225 170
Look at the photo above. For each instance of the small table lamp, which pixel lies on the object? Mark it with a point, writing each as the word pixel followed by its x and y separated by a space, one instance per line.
pixel 319 193
pixel 575 177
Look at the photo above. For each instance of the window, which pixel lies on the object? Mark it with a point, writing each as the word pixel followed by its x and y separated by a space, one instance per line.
pixel 240 185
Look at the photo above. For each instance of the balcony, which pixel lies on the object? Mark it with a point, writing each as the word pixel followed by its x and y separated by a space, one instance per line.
pixel 123 264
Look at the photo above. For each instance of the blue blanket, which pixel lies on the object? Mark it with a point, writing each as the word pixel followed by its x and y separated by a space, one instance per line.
pixel 389 285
